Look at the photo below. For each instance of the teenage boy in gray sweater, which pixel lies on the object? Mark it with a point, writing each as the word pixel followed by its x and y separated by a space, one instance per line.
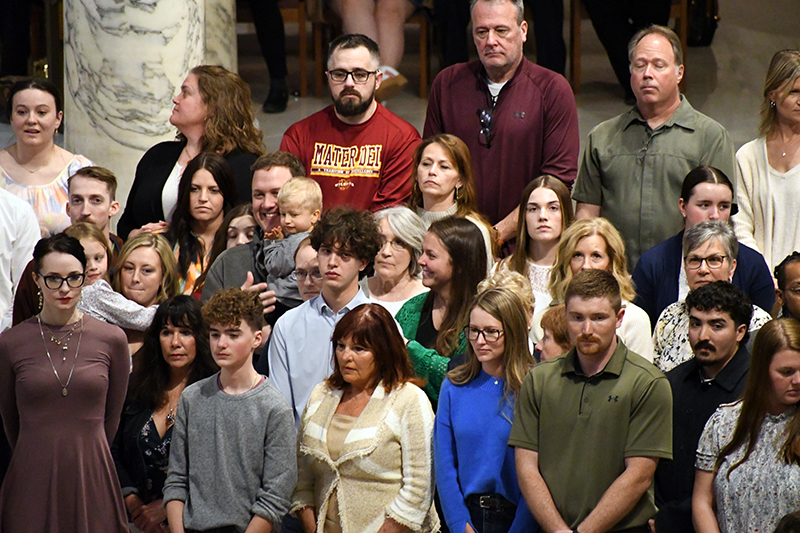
pixel 232 464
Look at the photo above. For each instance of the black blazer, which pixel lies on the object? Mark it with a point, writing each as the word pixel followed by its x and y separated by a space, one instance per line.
pixel 128 458
pixel 144 201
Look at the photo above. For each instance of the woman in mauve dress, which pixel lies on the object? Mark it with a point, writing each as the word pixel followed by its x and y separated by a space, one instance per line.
pixel 63 379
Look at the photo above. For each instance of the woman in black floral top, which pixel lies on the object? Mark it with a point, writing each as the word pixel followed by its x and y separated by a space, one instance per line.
pixel 175 354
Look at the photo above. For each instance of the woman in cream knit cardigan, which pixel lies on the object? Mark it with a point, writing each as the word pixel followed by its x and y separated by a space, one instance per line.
pixel 365 453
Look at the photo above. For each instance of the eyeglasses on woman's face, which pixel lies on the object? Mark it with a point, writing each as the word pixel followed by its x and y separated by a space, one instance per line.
pixel 53 282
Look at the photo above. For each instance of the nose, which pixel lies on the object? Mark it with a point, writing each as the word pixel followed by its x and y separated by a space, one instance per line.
pixel 703 335
pixel 241 239
pixel 85 210
pixel 270 201
pixel 703 267
pixel 491 38
pixel 176 99
pixel 647 72
pixel 586 327
pixel 174 339
pixel 135 276
pixel 714 213
pixel 585 265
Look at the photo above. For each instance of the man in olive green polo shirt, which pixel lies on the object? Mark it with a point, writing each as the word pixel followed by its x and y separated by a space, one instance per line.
pixel 591 425
pixel 634 164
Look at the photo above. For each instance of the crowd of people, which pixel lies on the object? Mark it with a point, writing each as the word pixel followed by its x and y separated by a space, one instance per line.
pixel 371 331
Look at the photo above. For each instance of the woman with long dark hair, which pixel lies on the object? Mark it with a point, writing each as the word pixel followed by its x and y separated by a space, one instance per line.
pixel 453 262
pixel 63 376
pixel 748 458
pixel 205 195
pixel 175 354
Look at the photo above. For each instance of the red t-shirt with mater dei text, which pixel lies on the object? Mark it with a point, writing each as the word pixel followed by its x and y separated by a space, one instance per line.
pixel 365 166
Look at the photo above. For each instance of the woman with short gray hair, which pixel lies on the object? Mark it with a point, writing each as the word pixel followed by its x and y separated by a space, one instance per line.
pixel 397 273
pixel 709 254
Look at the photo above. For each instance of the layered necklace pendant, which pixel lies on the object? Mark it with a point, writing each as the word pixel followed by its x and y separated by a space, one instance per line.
pixel 63 340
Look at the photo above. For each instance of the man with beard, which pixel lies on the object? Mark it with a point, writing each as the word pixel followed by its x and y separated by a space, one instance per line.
pixel 719 314
pixel 591 425
pixel 358 151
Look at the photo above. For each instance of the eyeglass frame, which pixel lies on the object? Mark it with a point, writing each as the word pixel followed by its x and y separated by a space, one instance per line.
pixel 301 275
pixel 62 280
pixel 705 260
pixel 468 330
pixel 395 244
pixel 351 73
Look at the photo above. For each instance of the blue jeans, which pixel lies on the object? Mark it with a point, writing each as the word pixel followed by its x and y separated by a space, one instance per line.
pixel 491 513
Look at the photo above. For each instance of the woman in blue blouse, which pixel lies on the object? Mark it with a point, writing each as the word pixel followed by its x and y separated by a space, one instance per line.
pixel 475 475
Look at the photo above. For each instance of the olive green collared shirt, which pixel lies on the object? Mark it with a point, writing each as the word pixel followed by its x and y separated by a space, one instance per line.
pixel 584 427
pixel 635 173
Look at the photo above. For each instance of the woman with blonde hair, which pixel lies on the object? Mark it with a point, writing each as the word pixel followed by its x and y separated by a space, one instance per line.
pixel 594 243
pixel 147 274
pixel 475 473
pixel 444 185
pixel 212 113
pixel 768 182
pixel 545 211
pixel 748 458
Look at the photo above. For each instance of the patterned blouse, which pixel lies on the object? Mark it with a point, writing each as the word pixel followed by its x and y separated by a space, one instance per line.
pixel 671 336
pixel 49 201
pixel 156 458
pixel 761 490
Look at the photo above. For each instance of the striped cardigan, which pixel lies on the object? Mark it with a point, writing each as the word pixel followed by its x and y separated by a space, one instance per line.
pixel 385 468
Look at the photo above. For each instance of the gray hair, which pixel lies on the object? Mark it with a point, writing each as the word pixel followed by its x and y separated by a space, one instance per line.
pixel 517 3
pixel 704 231
pixel 409 228
pixel 673 38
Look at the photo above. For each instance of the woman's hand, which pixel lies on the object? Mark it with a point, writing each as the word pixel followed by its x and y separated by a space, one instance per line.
pixel 308 519
pixel 390 526
pixel 152 227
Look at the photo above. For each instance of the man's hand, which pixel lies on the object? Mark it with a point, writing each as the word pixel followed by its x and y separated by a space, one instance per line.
pixel 266 296
pixel 150 517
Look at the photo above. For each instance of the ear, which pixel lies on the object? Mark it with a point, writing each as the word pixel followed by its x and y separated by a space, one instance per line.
pixel 113 208
pixel 740 331
pixel 363 265
pixel 378 79
pixel 524 29
pixel 779 301
pixel 620 314
pixel 682 207
pixel 733 268
pixel 60 116
pixel 257 336
pixel 315 216
pixel 680 73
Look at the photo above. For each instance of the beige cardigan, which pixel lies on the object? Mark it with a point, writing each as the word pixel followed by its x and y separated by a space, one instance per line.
pixel 385 468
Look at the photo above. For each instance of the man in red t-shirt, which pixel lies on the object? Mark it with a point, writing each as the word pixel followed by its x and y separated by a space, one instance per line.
pixel 358 151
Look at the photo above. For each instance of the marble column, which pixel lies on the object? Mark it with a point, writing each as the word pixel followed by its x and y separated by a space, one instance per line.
pixel 124 61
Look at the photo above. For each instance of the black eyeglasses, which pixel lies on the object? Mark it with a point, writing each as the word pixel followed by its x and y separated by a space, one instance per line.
pixel 359 75
pixel 486 135
pixel 489 335
pixel 713 261
pixel 54 282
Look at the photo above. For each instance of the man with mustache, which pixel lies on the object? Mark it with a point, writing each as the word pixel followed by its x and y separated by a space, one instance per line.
pixel 719 314
pixel 590 426
pixel 358 151
pixel 634 164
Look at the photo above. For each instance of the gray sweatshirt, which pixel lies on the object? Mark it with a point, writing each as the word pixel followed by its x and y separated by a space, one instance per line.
pixel 232 456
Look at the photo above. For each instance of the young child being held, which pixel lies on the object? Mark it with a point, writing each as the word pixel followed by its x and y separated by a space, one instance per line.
pixel 97 297
pixel 299 203
pixel 232 464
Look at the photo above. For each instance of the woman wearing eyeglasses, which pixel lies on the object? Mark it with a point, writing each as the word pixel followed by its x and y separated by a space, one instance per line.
pixel 63 379
pixel 475 474
pixel 660 277
pixel 397 273
pixel 710 249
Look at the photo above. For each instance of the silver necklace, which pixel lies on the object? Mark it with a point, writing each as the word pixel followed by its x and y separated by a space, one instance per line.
pixel 80 336
pixel 785 145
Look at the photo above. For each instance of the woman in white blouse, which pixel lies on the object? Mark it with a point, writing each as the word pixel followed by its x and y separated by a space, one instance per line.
pixel 768 182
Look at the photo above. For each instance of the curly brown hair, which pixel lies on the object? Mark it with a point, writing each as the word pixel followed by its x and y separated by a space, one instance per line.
pixel 230 123
pixel 350 230
pixel 229 307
